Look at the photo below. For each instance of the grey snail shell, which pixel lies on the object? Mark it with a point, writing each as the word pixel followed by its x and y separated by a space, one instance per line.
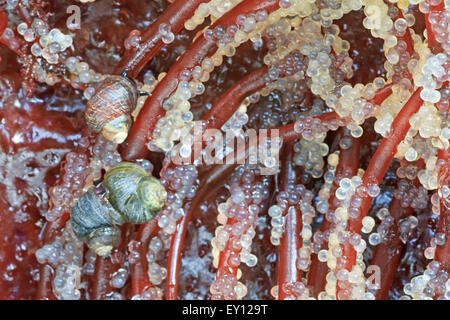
pixel 133 196
pixel 109 109
pixel 133 192
pixel 96 223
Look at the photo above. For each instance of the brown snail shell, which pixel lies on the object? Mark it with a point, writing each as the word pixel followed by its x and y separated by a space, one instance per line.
pixel 109 109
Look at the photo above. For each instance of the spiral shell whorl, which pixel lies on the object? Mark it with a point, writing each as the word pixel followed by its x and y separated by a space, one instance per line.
pixel 109 109
pixel 151 193
pixel 133 192
pixel 133 196
pixel 96 223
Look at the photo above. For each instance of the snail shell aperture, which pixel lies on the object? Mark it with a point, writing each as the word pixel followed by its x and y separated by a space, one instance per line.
pixel 109 109
pixel 133 196
pixel 96 223
pixel 133 192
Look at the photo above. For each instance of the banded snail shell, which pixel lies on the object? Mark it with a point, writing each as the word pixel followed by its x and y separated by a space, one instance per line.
pixel 135 194
pixel 96 223
pixel 109 109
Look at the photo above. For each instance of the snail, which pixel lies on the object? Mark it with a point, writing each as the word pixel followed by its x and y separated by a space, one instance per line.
pixel 132 196
pixel 96 223
pixel 133 192
pixel 109 109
